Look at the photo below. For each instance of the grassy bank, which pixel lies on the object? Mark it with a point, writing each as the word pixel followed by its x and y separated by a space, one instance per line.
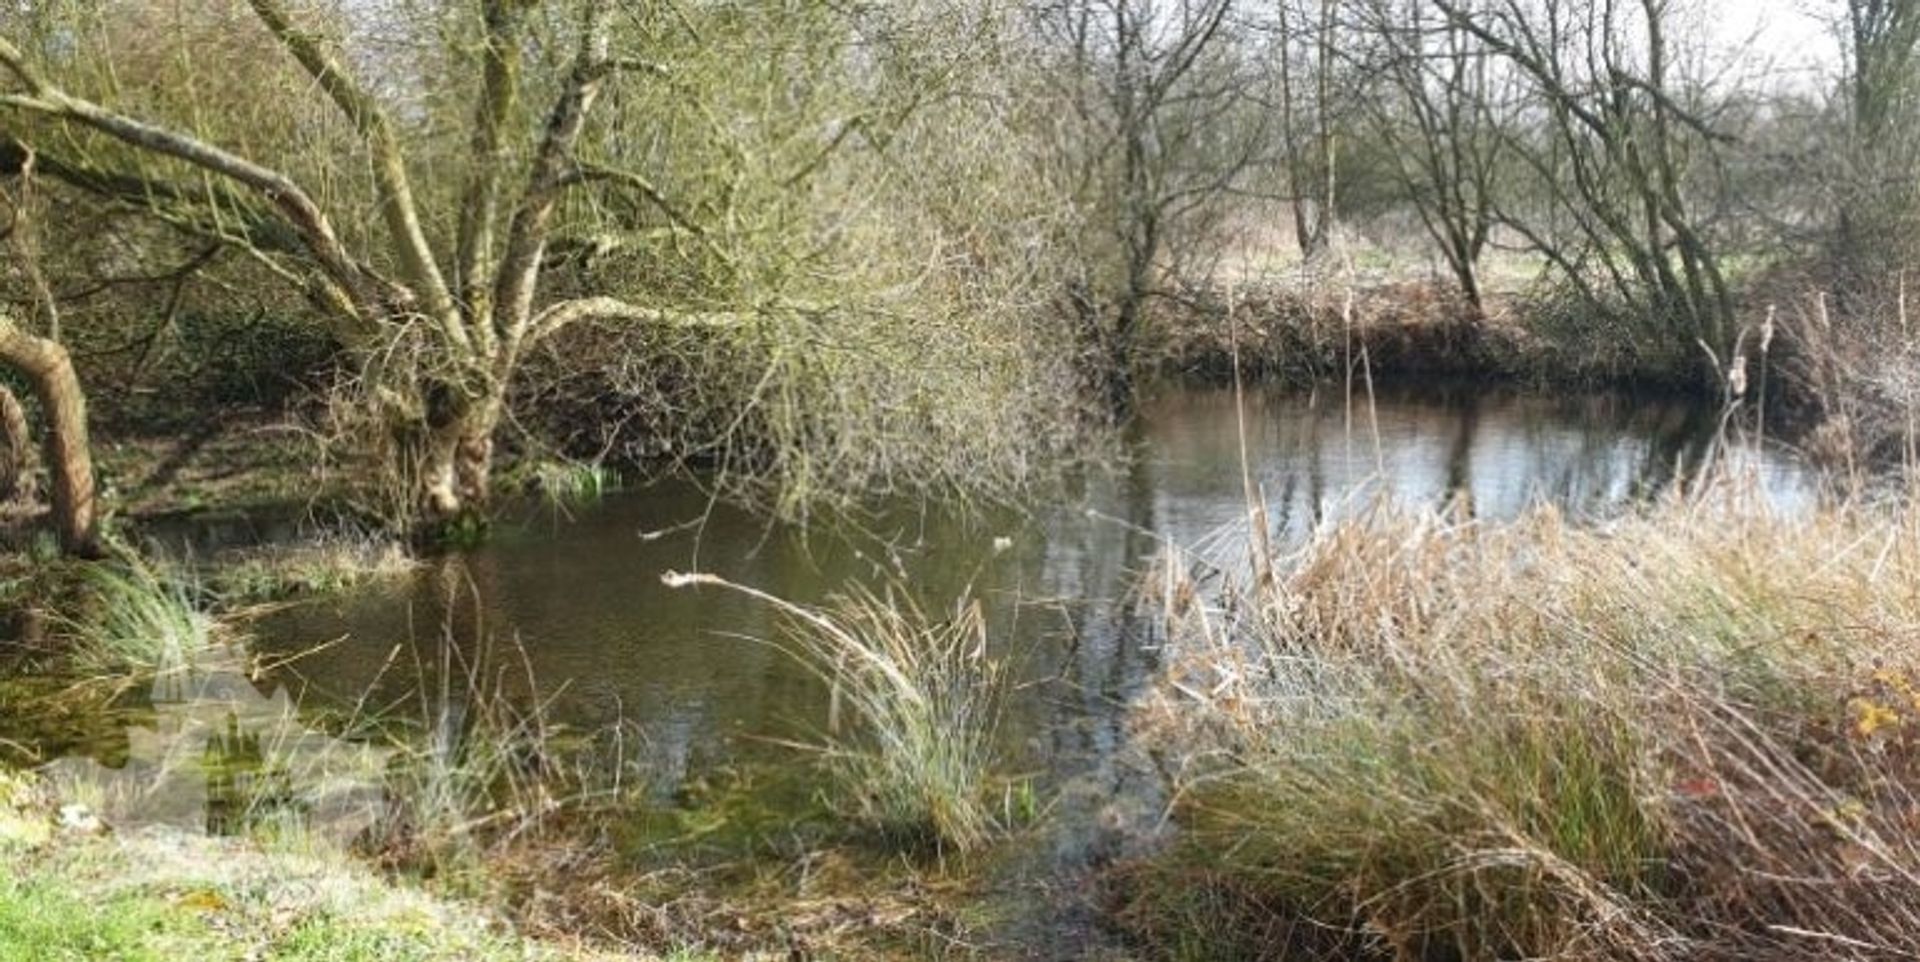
pixel 84 894
pixel 1686 734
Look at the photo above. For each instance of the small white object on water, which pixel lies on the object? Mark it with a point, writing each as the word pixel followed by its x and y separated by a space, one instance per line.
pixel 1002 543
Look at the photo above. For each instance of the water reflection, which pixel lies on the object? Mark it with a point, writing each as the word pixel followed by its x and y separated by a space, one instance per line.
pixel 1315 453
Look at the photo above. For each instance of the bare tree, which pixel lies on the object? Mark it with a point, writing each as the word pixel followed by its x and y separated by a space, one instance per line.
pixel 1307 49
pixel 461 305
pixel 1152 85
pixel 1440 115
pixel 1877 197
pixel 1883 51
pixel 1610 158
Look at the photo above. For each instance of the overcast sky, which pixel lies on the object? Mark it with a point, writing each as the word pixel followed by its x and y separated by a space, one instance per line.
pixel 1794 35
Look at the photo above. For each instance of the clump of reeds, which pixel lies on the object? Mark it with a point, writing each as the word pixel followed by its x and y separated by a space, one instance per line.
pixel 335 562
pixel 911 744
pixel 1846 375
pixel 569 483
pixel 136 618
pixel 474 758
pixel 1688 733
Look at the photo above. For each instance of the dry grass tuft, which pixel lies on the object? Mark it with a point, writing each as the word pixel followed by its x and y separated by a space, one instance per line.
pixel 912 735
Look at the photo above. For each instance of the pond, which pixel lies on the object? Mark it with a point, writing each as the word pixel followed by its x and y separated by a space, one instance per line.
pixel 568 606
pixel 577 594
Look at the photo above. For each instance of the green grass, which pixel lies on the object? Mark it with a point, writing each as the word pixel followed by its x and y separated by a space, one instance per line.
pixel 332 938
pixel 140 618
pixel 45 922
pixel 45 917
pixel 916 703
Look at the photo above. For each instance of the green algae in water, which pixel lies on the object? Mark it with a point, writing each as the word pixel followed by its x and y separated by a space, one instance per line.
pixel 45 716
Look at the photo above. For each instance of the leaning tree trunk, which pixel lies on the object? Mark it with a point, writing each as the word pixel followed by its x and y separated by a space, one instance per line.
pixel 16 445
pixel 49 372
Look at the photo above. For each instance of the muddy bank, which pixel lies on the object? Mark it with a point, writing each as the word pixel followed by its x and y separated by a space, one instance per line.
pixel 1406 330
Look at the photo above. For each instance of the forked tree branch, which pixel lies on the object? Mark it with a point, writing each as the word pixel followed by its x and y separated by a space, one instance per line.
pixel 533 218
pixel 397 205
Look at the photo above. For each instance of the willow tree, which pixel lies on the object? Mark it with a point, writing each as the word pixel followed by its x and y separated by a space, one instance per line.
pixel 440 278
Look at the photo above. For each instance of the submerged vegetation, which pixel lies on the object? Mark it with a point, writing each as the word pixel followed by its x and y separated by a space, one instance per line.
pixel 567 483
pixel 329 563
pixel 1679 734
pixel 474 761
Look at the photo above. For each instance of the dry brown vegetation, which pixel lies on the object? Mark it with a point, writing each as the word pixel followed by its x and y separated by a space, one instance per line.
pixel 1688 733
pixel 1315 330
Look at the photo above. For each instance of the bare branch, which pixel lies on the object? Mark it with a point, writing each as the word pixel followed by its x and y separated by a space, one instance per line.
pixel 584 173
pixel 293 202
pixel 609 67
pixel 389 163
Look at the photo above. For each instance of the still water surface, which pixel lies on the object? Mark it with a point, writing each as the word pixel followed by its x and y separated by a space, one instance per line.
pixel 580 592
pixel 568 607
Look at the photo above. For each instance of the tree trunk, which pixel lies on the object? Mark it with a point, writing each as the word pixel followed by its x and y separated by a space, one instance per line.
pixel 1464 260
pixel 1118 383
pixel 49 371
pixel 456 468
pixel 16 446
